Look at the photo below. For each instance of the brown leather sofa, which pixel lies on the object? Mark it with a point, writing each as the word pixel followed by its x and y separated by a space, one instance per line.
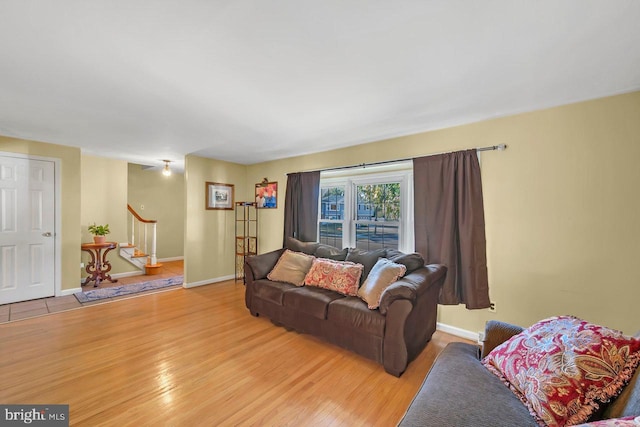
pixel 392 335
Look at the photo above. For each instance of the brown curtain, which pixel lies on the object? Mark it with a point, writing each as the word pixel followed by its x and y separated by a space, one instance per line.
pixel 449 224
pixel 301 206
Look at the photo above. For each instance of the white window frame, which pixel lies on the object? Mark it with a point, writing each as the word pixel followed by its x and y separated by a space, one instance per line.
pixel 331 182
pixel 404 177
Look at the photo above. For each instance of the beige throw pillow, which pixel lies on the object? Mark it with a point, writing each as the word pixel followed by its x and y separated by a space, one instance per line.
pixel 381 276
pixel 292 267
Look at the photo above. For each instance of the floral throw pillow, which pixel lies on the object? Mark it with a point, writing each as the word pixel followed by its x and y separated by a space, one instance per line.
pixel 631 421
pixel 339 276
pixel 563 368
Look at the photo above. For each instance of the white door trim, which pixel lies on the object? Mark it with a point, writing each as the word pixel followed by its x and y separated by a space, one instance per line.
pixel 57 179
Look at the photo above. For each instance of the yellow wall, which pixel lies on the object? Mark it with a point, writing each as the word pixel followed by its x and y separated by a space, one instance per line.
pixel 163 200
pixel 210 234
pixel 561 208
pixel 70 195
pixel 104 201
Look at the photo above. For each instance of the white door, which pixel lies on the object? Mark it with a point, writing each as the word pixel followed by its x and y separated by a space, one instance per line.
pixel 27 234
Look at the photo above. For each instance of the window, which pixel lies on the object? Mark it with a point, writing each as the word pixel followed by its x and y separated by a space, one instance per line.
pixel 368 212
pixel 331 218
pixel 377 220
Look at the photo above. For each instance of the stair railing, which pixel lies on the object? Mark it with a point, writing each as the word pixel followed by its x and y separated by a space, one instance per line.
pixel 140 224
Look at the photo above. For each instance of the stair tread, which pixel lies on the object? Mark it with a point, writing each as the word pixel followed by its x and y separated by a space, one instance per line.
pixel 134 255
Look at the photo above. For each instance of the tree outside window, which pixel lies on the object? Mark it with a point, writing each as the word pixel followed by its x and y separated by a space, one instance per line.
pixel 361 213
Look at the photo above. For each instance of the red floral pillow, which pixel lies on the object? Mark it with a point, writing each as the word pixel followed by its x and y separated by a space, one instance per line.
pixel 562 368
pixel 631 421
pixel 339 276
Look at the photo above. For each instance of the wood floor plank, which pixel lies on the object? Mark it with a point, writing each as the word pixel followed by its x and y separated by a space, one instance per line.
pixel 196 357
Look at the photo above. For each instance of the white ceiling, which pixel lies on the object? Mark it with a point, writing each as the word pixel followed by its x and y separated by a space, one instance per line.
pixel 254 80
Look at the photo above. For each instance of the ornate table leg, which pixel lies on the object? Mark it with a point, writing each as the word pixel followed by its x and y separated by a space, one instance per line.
pixel 98 267
pixel 90 268
pixel 105 268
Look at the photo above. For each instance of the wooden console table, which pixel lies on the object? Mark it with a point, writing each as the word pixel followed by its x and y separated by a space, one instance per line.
pixel 98 267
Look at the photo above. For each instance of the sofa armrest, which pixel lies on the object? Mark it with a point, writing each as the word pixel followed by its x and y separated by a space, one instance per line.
pixel 261 265
pixel 410 306
pixel 411 286
pixel 257 267
pixel 495 333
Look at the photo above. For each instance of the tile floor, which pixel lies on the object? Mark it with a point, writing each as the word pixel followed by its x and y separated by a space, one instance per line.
pixel 38 307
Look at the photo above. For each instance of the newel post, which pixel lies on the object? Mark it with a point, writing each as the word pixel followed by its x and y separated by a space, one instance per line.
pixel 133 230
pixel 154 259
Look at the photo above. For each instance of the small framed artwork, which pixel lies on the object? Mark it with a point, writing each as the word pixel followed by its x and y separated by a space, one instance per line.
pixel 267 195
pixel 219 196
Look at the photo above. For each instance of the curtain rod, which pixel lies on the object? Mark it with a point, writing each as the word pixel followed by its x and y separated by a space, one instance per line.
pixel 499 147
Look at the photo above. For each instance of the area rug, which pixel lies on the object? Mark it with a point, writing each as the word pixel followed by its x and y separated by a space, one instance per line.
pixel 117 291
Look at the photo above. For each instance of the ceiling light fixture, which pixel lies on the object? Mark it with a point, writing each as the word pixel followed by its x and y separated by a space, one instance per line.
pixel 166 171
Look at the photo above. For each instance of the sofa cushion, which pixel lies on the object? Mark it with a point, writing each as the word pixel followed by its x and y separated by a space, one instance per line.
pixel 367 258
pixel 353 312
pixel 339 276
pixel 331 252
pixel 292 267
pixel 382 275
pixel 261 265
pixel 495 333
pixel 563 368
pixel 271 291
pixel 412 261
pixel 312 301
pixel 296 245
pixel 459 391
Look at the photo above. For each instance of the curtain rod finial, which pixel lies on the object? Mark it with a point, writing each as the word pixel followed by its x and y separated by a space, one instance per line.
pixel 501 147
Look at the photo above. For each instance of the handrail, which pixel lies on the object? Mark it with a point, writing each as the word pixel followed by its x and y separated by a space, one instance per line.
pixel 152 259
pixel 139 218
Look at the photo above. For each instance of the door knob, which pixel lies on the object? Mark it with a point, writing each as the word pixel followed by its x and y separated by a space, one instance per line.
pixel 47 234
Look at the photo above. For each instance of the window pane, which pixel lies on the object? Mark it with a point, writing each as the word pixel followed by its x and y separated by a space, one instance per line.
pixel 331 234
pixel 371 217
pixel 378 202
pixel 332 203
pixel 376 236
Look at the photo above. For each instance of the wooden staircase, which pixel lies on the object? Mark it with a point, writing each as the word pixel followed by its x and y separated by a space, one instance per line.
pixel 140 256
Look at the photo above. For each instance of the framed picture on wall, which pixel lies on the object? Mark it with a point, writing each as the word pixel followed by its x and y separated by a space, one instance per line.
pixel 219 196
pixel 267 195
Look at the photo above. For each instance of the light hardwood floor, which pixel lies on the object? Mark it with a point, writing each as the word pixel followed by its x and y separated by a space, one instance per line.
pixel 196 357
pixel 43 306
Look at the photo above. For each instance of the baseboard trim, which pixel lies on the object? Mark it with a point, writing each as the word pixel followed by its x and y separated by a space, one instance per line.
pixel 173 258
pixel 141 272
pixel 459 332
pixel 65 292
pixel 119 275
pixel 208 281
pixel 127 274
